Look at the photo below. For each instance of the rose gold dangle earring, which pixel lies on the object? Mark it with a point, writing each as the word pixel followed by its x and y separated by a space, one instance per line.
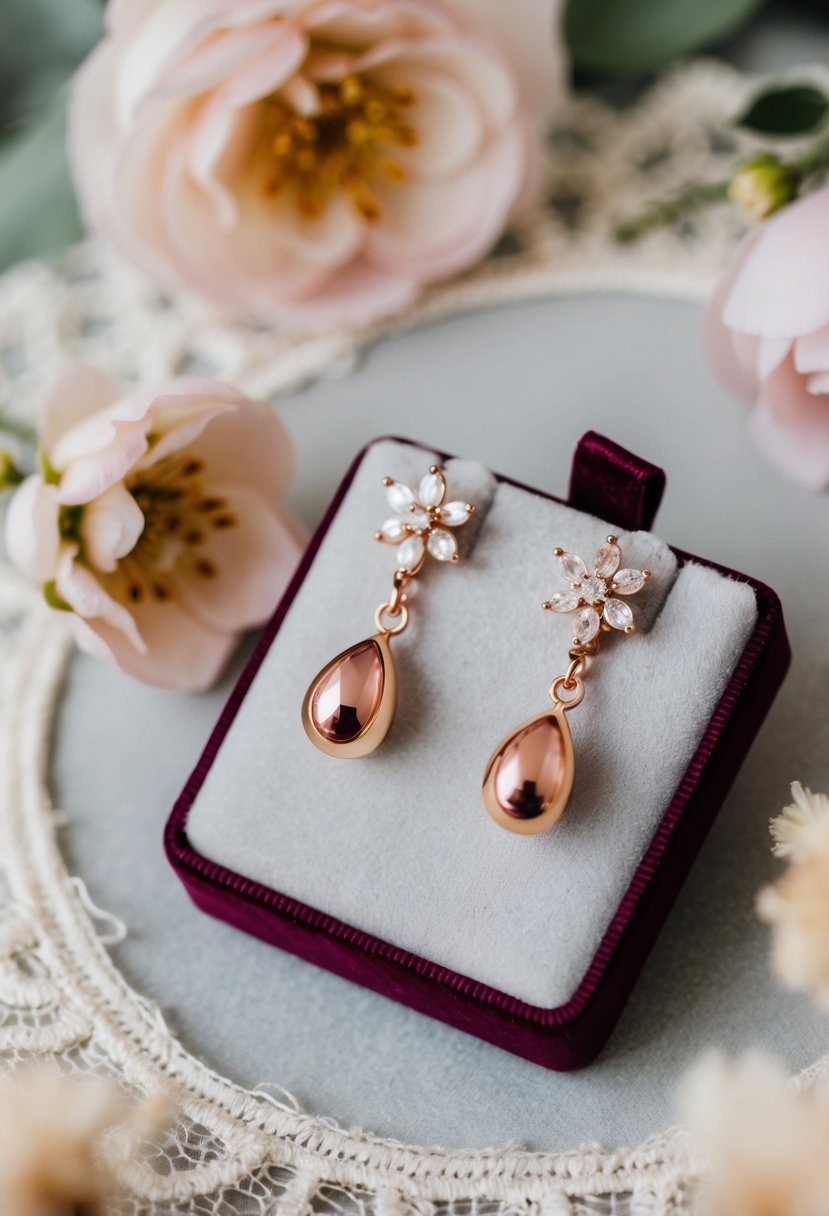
pixel 529 776
pixel 350 704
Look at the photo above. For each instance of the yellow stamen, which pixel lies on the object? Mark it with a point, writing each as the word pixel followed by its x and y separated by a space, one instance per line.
pixel 343 147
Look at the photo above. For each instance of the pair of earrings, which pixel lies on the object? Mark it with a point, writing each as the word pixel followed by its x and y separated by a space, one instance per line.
pixel 350 705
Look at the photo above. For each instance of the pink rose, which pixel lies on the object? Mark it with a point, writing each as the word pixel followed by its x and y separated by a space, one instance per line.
pixel 767 336
pixel 156 522
pixel 310 162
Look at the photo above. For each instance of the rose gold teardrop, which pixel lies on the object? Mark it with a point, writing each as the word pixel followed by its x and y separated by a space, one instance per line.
pixel 530 775
pixel 346 699
pixel 350 705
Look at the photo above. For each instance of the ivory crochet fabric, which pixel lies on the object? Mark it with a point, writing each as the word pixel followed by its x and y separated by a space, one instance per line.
pixel 398 844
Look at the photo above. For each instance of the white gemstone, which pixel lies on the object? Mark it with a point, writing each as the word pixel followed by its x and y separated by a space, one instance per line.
pixel 628 582
pixel 606 561
pixel 411 552
pixel 400 497
pixel 564 601
pixel 432 489
pixel 394 529
pixel 454 514
pixel 594 589
pixel 618 614
pixel 442 545
pixel 587 625
pixel 419 519
pixel 573 567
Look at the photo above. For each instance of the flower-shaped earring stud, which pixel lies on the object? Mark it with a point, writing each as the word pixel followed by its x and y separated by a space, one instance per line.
pixel 350 704
pixel 529 776
pixel 594 595
pixel 419 525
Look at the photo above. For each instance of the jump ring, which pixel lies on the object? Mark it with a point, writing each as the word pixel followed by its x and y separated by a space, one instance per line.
pixel 567 702
pixel 385 607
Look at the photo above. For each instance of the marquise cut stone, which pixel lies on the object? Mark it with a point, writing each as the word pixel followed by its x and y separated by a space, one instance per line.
pixel 572 566
pixel 628 582
pixel 531 770
pixel 607 559
pixel 587 625
pixel 348 697
pixel 618 614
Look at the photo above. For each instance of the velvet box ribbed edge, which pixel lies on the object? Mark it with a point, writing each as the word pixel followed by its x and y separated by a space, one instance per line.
pixel 621 488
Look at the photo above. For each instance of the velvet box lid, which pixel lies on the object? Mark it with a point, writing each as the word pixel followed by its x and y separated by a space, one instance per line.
pixel 616 486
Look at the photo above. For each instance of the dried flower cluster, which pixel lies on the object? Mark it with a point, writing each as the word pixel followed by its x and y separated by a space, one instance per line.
pixel 763 1142
pixel 797 905
pixel 53 1129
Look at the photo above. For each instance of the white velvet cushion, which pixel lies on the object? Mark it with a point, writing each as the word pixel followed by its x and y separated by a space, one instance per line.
pixel 399 843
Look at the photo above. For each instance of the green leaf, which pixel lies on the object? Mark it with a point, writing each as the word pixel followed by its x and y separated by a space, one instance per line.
pixel 38 212
pixel 43 43
pixel 793 110
pixel 627 37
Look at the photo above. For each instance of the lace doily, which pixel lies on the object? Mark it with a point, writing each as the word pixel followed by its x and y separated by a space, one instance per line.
pixel 234 1150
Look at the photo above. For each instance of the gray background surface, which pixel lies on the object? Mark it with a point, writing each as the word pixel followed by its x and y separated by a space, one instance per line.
pixel 513 388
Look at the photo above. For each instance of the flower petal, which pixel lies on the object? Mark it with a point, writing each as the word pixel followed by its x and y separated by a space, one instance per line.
pixel 180 653
pixel 410 553
pixel 432 489
pixel 587 625
pixel 78 394
pixel 782 290
pixel 442 545
pixel 249 446
pixel 564 601
pixel 801 453
pixel 241 571
pixel 453 514
pixel 110 527
pixel 606 561
pixel 618 614
pixel 394 530
pixel 628 582
pixel 528 33
pixel 400 497
pixel 86 596
pixel 32 531
pixel 572 567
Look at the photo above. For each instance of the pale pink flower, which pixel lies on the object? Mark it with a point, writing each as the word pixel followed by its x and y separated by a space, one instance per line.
pixel 311 162
pixel 761 1143
pixel 156 521
pixel 767 336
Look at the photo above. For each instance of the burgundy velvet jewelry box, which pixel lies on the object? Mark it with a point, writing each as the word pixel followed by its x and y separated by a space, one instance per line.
pixel 624 490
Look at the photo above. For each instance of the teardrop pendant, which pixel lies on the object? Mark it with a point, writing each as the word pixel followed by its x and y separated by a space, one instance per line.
pixel 529 776
pixel 349 706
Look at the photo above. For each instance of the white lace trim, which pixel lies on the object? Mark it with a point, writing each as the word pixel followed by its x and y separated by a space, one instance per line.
pixel 234 1150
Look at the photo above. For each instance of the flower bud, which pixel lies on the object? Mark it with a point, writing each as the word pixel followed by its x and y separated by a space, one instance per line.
pixel 763 185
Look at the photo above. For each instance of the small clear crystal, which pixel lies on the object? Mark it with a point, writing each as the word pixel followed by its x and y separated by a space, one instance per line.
pixel 618 614
pixel 432 489
pixel 594 589
pixel 564 601
pixel 419 519
pixel 411 552
pixel 454 514
pixel 442 545
pixel 400 497
pixel 573 567
pixel 394 529
pixel 587 625
pixel 606 561
pixel 628 582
